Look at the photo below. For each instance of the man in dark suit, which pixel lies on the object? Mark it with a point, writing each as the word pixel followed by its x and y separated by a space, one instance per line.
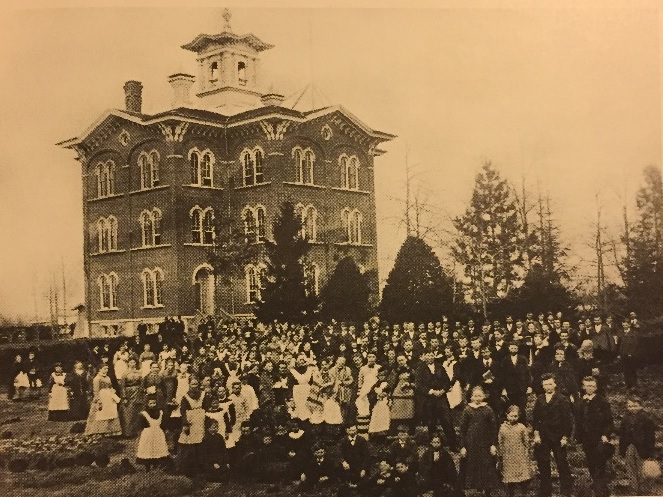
pixel 553 426
pixel 594 425
pixel 431 387
pixel 499 346
pixel 516 379
pixel 355 457
pixel 491 379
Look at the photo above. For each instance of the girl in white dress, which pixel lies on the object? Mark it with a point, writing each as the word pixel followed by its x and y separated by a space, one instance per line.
pixel 58 398
pixel 378 427
pixel 104 417
pixel 152 446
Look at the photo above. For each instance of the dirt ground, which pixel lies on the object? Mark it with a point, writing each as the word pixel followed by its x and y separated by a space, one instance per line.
pixel 29 419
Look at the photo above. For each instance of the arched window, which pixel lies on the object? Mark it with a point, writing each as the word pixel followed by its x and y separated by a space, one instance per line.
pixel 241 73
pixel 214 71
pixel 196 226
pixel 107 291
pixel 312 279
pixel 352 220
pixel 145 171
pixel 156 226
pixel 254 283
pixel 152 287
pixel 112 233
pixel 260 177
pixel 208 227
pixel 103 241
pixel 260 224
pixel 304 163
pixel 349 172
pixel 206 170
pixel 105 173
pixel 249 220
pixel 194 161
pixel 204 283
pixel 154 167
pixel 309 223
pixel 253 172
pixel 146 228
pixel 201 165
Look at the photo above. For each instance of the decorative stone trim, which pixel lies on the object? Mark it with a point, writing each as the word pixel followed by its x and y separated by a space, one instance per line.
pixel 155 188
pixel 149 247
pixel 272 133
pixel 124 138
pixel 309 185
pixel 96 199
pixel 349 190
pixel 173 133
pixel 253 186
pixel 326 132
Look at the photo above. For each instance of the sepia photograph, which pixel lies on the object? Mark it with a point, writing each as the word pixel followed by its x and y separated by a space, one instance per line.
pixel 331 248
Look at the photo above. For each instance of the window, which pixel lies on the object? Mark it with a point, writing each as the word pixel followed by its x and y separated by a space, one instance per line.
pixel 201 165
pixel 349 172
pixel 150 227
pixel 304 161
pixel 152 287
pixel 108 291
pixel 241 73
pixel 149 169
pixel 249 220
pixel 204 284
pixel 255 276
pixel 214 71
pixel 260 224
pixel 202 225
pixel 252 166
pixel 105 173
pixel 254 220
pixel 312 279
pixel 352 225
pixel 309 217
pixel 106 234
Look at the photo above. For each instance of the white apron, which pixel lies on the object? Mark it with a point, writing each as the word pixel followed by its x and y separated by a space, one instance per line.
pixel 109 401
pixel 58 399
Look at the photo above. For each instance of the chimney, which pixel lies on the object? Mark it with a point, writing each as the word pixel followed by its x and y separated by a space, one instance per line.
pixel 133 96
pixel 272 99
pixel 181 84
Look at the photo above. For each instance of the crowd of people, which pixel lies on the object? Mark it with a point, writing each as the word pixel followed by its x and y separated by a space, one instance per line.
pixel 336 404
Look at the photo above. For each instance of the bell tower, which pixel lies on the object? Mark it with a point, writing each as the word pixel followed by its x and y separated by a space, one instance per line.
pixel 228 69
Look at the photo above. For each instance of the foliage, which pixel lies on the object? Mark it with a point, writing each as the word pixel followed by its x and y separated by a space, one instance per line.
pixel 417 288
pixel 644 264
pixel 231 250
pixel 490 240
pixel 345 297
pixel 539 293
pixel 284 296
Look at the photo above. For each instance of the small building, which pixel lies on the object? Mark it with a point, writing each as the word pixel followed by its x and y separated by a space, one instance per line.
pixel 153 186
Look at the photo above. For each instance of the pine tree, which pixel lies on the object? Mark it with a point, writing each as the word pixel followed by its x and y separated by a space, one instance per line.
pixel 345 297
pixel 284 296
pixel 490 239
pixel 644 272
pixel 417 288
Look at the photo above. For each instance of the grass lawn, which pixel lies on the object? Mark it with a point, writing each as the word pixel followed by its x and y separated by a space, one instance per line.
pixel 26 420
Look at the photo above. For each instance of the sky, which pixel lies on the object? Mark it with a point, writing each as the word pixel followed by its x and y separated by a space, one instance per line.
pixel 568 98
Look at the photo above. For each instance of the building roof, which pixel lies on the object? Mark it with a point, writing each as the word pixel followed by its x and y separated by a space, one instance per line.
pixel 216 119
pixel 202 41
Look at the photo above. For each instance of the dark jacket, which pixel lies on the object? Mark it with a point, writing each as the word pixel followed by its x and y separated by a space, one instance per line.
pixel 553 420
pixel 638 429
pixel 357 456
pixel 434 474
pixel 593 420
pixel 516 379
pixel 314 470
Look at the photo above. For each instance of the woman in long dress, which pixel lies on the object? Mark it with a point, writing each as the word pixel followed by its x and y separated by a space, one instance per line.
pixel 58 397
pixel 152 447
pixel 80 390
pixel 131 392
pixel 193 428
pixel 104 418
pixel 478 431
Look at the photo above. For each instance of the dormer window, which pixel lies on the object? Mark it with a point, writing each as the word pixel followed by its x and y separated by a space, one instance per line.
pixel 214 71
pixel 241 73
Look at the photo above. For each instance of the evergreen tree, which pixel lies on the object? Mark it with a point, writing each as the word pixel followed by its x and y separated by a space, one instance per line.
pixel 644 271
pixel 285 297
pixel 417 288
pixel 490 239
pixel 345 297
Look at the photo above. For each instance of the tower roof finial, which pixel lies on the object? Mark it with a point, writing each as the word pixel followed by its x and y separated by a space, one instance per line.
pixel 227 16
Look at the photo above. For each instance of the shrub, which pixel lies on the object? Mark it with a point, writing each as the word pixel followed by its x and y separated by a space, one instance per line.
pixel 18 465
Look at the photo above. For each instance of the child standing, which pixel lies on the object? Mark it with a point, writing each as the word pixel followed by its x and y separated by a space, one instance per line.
pixel 637 442
pixel 478 431
pixel 514 447
pixel 152 446
pixel 378 427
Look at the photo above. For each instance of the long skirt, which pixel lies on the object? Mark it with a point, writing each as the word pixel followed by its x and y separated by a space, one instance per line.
pixel 130 411
pixel 152 444
pixel 58 403
pixel 103 418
